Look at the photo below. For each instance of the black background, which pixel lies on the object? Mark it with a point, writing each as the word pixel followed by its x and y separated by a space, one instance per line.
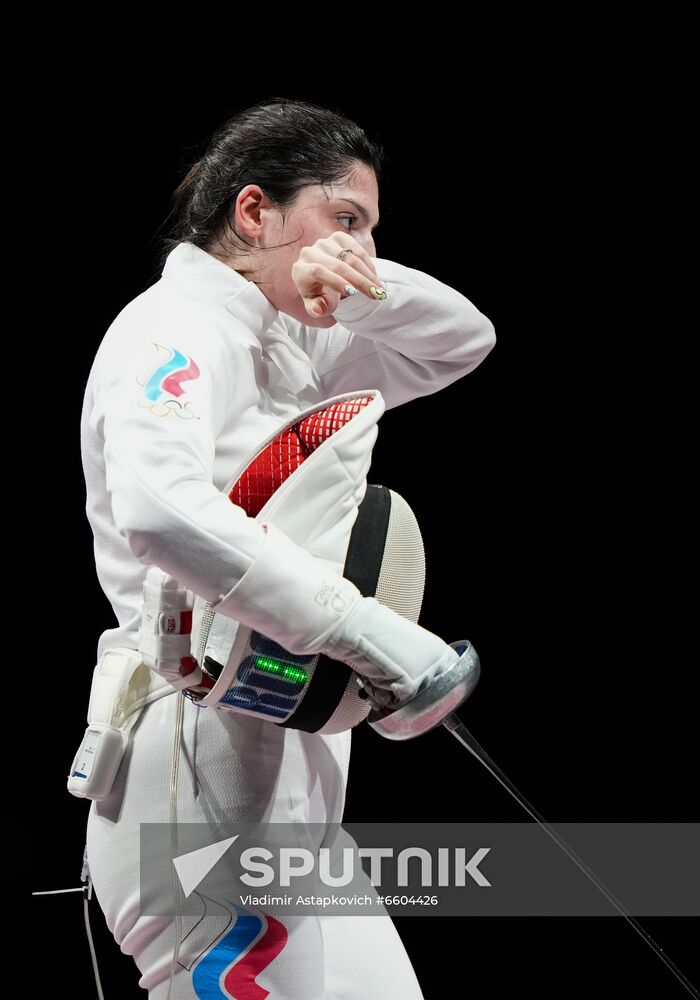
pixel 550 483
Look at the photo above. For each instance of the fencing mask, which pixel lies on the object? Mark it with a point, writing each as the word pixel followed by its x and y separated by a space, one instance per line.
pixel 309 480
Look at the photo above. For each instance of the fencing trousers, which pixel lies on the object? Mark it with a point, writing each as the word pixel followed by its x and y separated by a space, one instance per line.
pixel 241 768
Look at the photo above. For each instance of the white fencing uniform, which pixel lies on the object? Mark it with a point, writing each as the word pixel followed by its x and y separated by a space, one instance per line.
pixel 190 377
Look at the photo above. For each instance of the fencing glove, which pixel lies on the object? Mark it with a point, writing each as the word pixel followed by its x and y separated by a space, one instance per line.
pixel 301 602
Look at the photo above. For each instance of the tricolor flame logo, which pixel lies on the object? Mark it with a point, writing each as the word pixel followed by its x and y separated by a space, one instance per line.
pixel 162 382
pixel 229 968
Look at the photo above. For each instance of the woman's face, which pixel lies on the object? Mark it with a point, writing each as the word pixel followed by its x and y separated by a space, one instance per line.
pixel 318 211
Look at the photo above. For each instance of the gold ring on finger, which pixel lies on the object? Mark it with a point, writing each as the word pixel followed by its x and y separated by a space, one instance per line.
pixel 340 253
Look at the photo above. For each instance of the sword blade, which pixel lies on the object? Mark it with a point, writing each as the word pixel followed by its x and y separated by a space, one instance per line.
pixel 455 726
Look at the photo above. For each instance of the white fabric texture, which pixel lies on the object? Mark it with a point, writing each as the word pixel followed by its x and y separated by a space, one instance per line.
pixel 294 777
pixel 190 377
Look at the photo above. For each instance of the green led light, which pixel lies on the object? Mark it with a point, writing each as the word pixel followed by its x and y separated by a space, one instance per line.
pixel 285 670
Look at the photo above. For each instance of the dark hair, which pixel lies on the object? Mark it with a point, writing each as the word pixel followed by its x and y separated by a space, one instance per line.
pixel 280 144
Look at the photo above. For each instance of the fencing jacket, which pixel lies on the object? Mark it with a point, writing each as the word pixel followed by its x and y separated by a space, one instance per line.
pixel 197 370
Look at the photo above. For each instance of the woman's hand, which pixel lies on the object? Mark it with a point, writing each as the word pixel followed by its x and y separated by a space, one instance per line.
pixel 323 280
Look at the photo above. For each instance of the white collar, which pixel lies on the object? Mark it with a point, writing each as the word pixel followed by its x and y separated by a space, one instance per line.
pixel 202 276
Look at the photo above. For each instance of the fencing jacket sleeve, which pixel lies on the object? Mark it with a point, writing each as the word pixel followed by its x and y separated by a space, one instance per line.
pixel 419 340
pixel 159 458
